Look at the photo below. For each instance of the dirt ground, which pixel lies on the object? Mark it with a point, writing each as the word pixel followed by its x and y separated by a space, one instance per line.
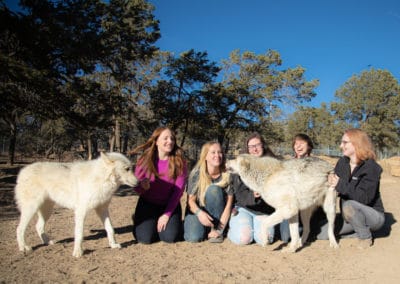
pixel 185 262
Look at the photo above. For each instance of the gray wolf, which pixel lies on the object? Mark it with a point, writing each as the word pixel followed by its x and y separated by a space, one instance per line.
pixel 290 186
pixel 79 186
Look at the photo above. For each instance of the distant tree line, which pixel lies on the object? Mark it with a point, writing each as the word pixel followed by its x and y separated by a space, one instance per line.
pixel 87 74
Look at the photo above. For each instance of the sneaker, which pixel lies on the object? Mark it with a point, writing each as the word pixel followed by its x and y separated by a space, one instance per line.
pixel 216 240
pixel 364 243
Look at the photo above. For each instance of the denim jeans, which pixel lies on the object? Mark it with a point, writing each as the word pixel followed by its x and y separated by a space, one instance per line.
pixel 215 201
pixel 356 218
pixel 245 227
pixel 145 223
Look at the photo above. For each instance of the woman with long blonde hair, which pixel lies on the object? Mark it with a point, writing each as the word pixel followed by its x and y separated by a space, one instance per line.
pixel 162 172
pixel 210 198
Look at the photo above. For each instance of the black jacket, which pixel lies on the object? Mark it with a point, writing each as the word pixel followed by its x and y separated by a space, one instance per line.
pixel 362 185
pixel 244 197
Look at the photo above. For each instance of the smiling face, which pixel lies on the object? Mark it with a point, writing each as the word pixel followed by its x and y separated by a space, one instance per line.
pixel 300 148
pixel 255 147
pixel 165 143
pixel 214 156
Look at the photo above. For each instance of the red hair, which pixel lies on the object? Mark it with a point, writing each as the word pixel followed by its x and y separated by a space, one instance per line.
pixel 150 154
pixel 362 144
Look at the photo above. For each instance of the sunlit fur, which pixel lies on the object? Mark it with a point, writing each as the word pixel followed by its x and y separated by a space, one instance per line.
pixel 79 186
pixel 290 186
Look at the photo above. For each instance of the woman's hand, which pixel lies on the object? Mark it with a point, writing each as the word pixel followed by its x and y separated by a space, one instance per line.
pixel 162 222
pixel 256 194
pixel 214 234
pixel 205 219
pixel 145 183
pixel 333 179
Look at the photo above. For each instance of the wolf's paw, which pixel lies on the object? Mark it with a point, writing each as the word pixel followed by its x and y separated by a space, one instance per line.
pixel 26 249
pixel 292 247
pixel 49 242
pixel 115 245
pixel 265 242
pixel 289 249
pixel 333 245
pixel 77 252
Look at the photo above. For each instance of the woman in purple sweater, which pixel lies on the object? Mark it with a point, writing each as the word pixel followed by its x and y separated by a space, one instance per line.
pixel 162 172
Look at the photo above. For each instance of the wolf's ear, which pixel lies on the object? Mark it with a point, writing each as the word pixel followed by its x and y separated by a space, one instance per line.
pixel 244 164
pixel 104 158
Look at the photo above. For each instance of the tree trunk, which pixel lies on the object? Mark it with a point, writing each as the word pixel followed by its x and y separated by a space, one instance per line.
pixel 95 147
pixel 89 147
pixel 112 142
pixel 125 143
pixel 11 146
pixel 117 136
pixel 184 132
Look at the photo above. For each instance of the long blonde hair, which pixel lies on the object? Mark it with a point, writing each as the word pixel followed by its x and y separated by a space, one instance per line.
pixel 204 178
pixel 362 144
pixel 176 161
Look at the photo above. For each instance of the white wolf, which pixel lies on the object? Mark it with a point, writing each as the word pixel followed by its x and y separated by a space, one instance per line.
pixel 79 186
pixel 290 186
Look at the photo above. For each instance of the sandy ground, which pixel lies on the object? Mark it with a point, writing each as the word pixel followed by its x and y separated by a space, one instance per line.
pixel 185 262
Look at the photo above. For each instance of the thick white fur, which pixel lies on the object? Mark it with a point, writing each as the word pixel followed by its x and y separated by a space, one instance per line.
pixel 79 186
pixel 290 186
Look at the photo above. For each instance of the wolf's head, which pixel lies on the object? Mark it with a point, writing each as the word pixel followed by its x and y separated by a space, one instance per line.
pixel 121 168
pixel 253 170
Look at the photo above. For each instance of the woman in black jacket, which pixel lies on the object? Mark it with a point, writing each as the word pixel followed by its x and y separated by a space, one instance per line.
pixel 357 179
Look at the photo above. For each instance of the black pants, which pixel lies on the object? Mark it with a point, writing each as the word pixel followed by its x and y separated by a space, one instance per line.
pixel 145 223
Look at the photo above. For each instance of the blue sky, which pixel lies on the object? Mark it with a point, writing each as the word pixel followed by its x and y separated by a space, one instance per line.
pixel 332 39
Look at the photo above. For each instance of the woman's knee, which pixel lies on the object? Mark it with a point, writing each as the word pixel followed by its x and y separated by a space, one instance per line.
pixel 348 210
pixel 192 235
pixel 144 237
pixel 192 238
pixel 145 232
pixel 173 232
pixel 171 237
pixel 193 230
pixel 241 228
pixel 214 192
pixel 241 236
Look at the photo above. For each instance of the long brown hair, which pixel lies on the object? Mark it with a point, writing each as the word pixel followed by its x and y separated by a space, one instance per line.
pixel 362 144
pixel 147 160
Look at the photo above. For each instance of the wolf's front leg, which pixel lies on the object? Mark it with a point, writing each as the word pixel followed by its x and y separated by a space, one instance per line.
pixel 102 212
pixel 80 214
pixel 295 242
pixel 268 222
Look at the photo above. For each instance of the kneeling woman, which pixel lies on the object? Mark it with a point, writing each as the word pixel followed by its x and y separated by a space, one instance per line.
pixel 357 180
pixel 209 197
pixel 162 172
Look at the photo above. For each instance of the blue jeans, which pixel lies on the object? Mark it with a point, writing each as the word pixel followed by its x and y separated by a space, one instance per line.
pixel 356 218
pixel 245 227
pixel 215 202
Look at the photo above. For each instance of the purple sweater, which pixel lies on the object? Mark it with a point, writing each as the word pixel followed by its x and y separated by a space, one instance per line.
pixel 163 190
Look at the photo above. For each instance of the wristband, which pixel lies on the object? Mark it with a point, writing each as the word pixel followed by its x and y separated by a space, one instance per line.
pixel 197 211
